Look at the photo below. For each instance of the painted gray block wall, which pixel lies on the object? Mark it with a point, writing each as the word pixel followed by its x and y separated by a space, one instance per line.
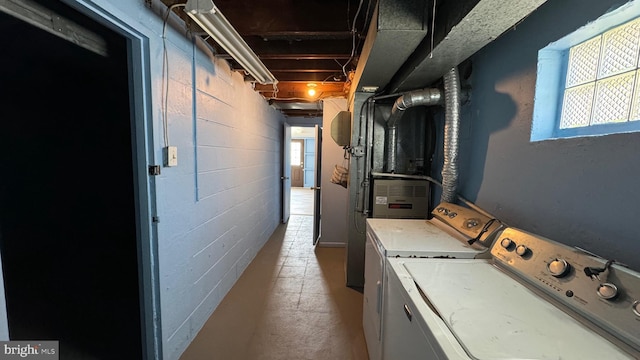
pixel 582 192
pixel 335 200
pixel 222 202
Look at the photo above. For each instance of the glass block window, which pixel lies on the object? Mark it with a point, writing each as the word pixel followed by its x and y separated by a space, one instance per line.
pixel 588 81
pixel 603 82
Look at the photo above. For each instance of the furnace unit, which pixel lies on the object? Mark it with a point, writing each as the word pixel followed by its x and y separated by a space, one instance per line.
pixel 400 199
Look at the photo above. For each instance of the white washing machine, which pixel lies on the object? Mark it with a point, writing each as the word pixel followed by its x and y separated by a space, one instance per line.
pixel 533 299
pixel 447 236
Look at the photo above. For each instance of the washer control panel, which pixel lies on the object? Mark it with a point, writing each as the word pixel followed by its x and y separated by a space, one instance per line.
pixel 468 222
pixel 605 293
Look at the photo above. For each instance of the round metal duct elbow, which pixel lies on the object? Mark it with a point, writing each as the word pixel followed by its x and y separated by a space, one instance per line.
pixel 426 97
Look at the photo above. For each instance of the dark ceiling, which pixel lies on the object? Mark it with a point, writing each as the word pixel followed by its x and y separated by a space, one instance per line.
pixel 327 43
pixel 301 42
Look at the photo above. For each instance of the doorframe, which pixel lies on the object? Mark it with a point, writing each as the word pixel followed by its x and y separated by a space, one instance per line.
pixel 317 187
pixel 285 178
pixel 144 185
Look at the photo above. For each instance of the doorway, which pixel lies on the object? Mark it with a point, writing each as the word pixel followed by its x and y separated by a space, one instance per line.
pixel 69 195
pixel 302 170
pixel 304 159
pixel 297 162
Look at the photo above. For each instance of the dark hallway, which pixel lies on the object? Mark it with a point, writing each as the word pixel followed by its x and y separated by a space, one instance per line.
pixel 67 208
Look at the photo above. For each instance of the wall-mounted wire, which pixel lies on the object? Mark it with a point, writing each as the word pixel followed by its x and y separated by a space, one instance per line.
pixel 164 93
pixel 367 15
pixel 335 78
pixel 353 37
pixel 433 27
pixel 355 210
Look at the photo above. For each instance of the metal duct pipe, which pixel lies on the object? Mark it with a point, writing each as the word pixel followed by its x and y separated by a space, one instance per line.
pixel 428 97
pixel 451 135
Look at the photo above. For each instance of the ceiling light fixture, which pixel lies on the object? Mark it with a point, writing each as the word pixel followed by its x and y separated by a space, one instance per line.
pixel 312 89
pixel 211 20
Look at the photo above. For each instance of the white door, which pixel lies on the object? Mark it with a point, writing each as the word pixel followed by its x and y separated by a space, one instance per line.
pixel 286 174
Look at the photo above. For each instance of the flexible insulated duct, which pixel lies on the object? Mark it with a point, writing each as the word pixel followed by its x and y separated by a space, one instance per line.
pixel 451 135
pixel 428 97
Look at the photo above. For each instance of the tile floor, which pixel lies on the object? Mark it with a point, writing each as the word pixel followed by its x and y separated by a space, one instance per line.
pixel 301 201
pixel 290 303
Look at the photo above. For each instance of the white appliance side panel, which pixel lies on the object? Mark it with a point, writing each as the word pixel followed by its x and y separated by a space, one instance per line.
pixel 441 340
pixel 495 317
pixel 372 298
pixel 403 337
pixel 419 238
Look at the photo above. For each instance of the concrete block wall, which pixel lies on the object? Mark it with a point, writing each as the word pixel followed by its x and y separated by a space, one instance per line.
pixel 221 203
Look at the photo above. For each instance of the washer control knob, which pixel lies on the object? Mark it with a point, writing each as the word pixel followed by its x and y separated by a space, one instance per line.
pixel 607 291
pixel 558 267
pixel 440 209
pixel 453 214
pixel 636 308
pixel 506 243
pixel 522 250
pixel 471 223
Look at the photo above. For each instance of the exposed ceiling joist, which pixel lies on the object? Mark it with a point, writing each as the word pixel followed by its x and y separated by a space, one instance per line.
pixel 406 47
pixel 300 35
pixel 300 42
pixel 288 91
pixel 298 108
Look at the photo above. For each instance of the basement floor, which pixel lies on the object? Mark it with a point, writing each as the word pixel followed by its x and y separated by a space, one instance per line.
pixel 290 303
pixel 302 201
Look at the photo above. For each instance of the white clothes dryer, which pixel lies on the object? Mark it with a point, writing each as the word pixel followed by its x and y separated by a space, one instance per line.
pixel 455 233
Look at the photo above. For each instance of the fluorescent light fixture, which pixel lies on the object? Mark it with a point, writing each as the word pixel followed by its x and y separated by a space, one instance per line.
pixel 208 16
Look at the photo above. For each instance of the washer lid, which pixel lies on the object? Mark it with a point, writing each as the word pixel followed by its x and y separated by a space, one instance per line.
pixel 495 317
pixel 420 238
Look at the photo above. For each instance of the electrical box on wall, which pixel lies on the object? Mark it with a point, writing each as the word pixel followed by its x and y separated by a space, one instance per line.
pixel 170 156
pixel 341 128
